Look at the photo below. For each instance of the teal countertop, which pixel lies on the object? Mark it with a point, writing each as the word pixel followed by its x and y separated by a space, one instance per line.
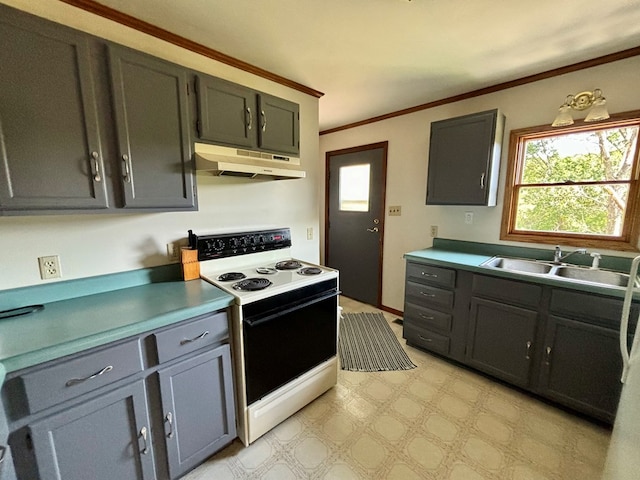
pixel 470 255
pixel 69 324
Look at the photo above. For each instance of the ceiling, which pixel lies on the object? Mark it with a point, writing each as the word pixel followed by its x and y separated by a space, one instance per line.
pixel 373 57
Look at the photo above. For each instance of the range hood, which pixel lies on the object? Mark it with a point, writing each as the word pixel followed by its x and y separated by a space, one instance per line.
pixel 238 162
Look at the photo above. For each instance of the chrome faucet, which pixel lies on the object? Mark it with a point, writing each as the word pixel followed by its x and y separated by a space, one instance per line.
pixel 558 257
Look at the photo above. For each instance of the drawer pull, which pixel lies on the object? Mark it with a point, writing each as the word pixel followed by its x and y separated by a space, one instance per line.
pixel 425 294
pixel 425 339
pixel 528 349
pixel 189 340
pixel 3 451
pixel 427 317
pixel 143 434
pixel 433 275
pixel 548 356
pixel 169 419
pixel 75 381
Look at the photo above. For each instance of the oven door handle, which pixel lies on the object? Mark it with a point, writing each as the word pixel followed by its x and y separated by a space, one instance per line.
pixel 291 308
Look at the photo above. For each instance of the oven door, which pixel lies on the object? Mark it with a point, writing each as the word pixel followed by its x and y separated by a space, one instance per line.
pixel 287 335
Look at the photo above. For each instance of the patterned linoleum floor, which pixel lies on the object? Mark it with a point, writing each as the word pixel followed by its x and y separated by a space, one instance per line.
pixel 436 421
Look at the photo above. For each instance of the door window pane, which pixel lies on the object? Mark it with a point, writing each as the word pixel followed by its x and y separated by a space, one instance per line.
pixel 354 188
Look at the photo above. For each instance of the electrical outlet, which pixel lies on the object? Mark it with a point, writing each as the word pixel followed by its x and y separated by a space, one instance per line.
pixel 395 211
pixel 434 231
pixel 310 233
pixel 49 267
pixel 468 218
pixel 173 251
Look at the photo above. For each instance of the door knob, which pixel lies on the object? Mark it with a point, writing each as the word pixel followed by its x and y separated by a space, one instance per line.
pixel 374 229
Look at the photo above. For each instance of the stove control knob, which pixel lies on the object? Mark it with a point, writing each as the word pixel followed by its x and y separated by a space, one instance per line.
pixel 234 243
pixel 244 242
pixel 218 245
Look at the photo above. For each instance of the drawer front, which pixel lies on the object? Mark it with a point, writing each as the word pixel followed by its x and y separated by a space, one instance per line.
pixel 417 272
pixel 426 339
pixel 599 310
pixel 519 293
pixel 427 318
pixel 430 297
pixel 189 337
pixel 57 383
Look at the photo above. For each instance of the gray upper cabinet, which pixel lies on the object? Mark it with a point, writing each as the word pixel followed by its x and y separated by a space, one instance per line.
pixel 86 127
pixel 50 144
pixel 150 104
pixel 234 115
pixel 464 159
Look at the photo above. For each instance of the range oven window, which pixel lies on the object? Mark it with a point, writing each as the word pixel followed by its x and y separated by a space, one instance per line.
pixel 287 335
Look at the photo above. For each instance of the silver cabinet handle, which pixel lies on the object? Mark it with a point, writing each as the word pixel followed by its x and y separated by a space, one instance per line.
pixel 169 419
pixel 143 434
pixel 482 175
pixel 189 340
pixel 425 339
pixel 373 230
pixel 433 275
pixel 127 168
pixel 425 294
pixel 426 317
pixel 96 176
pixel 75 381
pixel 528 350
pixel 249 119
pixel 548 357
pixel 3 451
pixel 264 120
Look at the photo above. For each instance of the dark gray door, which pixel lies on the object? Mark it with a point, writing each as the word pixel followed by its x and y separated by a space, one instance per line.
pixel 355 219
pixel 500 340
pixel 50 150
pixel 198 408
pixel 150 103
pixel 279 124
pixel 102 439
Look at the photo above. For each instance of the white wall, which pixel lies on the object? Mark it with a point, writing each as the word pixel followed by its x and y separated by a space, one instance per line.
pixel 98 244
pixel 408 136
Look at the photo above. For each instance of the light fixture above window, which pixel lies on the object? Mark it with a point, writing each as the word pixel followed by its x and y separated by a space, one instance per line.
pixel 582 101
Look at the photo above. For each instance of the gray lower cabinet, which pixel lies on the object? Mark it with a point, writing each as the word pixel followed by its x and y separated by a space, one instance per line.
pixel 150 407
pixel 103 439
pixel 86 126
pixel 51 155
pixel 7 471
pixel 238 116
pixel 198 406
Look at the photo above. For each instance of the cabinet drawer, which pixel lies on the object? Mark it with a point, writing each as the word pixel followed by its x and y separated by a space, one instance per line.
pixel 191 336
pixel 519 293
pixel 57 383
pixel 423 338
pixel 427 318
pixel 588 307
pixel 430 296
pixel 429 274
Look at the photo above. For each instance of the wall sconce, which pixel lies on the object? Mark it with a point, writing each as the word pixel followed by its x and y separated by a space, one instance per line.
pixel 582 101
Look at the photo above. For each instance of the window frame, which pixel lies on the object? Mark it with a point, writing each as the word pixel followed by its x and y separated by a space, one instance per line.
pixel 627 241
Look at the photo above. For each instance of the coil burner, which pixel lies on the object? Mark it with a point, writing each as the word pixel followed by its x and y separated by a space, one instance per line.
pixel 231 276
pixel 252 284
pixel 310 271
pixel 288 265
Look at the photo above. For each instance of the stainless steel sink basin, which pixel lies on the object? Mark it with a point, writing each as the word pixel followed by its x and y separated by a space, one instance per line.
pixel 518 265
pixel 606 277
pixel 569 273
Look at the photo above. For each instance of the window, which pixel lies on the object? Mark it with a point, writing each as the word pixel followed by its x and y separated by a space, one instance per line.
pixel 354 188
pixel 575 185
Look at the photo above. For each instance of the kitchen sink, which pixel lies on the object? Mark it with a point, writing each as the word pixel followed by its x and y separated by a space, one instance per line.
pixel 518 265
pixel 570 273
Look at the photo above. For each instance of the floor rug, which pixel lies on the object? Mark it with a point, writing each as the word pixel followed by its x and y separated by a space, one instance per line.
pixel 367 344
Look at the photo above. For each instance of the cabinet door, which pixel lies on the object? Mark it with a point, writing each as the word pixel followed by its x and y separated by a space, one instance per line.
pixel 150 103
pixel 102 439
pixel 581 367
pixel 279 124
pixel 500 340
pixel 226 112
pixel 464 155
pixel 50 151
pixel 198 408
pixel 7 471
